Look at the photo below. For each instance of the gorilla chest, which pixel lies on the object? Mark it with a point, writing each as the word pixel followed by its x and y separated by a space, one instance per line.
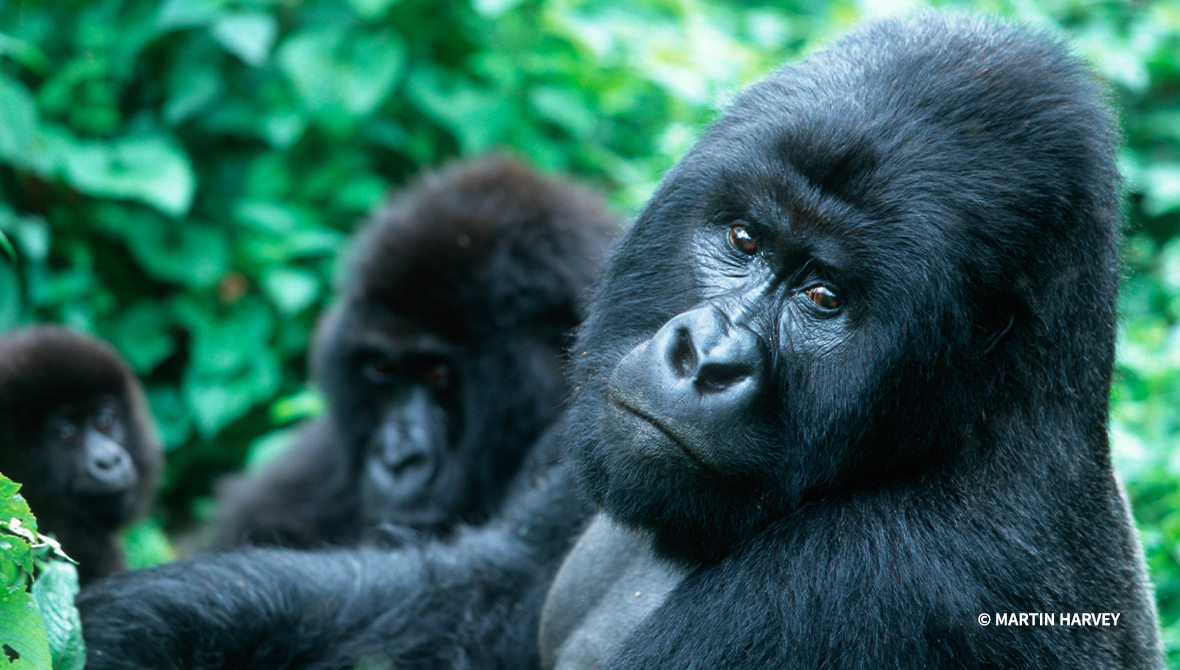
pixel 609 583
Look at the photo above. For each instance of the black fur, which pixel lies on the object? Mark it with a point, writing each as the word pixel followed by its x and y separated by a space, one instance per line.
pixel 482 269
pixel 843 390
pixel 471 602
pixel 52 380
pixel 933 447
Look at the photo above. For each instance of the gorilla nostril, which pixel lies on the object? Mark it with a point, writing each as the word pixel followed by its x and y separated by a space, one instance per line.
pixel 682 354
pixel 108 461
pixel 407 463
pixel 717 377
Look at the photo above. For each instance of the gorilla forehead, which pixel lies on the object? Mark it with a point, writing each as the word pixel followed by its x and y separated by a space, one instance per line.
pixel 46 366
pixel 961 176
pixel 962 151
pixel 483 246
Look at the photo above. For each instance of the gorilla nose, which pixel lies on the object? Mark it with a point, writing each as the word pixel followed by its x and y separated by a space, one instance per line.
pixel 110 460
pixel 690 386
pixel 400 453
pixel 400 463
pixel 108 466
pixel 705 349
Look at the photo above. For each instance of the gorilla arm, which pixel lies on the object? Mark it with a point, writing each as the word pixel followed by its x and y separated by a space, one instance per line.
pixel 303 499
pixel 436 606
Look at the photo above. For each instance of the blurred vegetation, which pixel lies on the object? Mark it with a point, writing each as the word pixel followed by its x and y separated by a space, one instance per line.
pixel 38 583
pixel 178 176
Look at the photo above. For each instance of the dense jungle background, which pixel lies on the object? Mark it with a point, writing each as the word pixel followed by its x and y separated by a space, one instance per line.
pixel 178 177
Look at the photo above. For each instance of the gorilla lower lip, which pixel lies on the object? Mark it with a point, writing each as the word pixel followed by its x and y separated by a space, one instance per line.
pixel 655 423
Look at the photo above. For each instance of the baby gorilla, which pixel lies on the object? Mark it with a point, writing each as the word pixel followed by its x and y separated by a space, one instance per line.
pixel 442 362
pixel 75 434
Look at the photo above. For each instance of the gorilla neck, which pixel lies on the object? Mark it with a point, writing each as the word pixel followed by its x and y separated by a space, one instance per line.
pixel 609 583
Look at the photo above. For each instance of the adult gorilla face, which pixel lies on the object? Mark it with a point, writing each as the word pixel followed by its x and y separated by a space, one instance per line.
pixel 816 298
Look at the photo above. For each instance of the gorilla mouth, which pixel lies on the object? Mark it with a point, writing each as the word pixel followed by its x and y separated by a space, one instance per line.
pixel 652 421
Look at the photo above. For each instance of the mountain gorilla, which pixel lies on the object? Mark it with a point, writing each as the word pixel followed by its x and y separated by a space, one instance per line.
pixel 842 391
pixel 442 364
pixel 75 433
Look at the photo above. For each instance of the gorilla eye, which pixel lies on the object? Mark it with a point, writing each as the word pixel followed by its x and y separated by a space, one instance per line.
pixel 824 297
pixel 743 240
pixel 66 431
pixel 105 419
pixel 438 377
pixel 379 371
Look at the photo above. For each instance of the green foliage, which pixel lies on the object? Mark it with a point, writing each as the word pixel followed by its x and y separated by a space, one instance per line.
pixel 179 177
pixel 37 588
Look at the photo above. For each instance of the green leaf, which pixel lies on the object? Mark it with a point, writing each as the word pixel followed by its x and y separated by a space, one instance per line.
pixel 303 405
pixel 150 169
pixel 1161 188
pixel 494 8
pixel 177 14
pixel 372 9
pixel 18 533
pixel 269 447
pixel 24 632
pixel 193 85
pixel 456 101
pixel 19 124
pixel 564 108
pixel 247 35
pixel 143 333
pixel 335 71
pixel 292 289
pixel 173 418
pixel 218 402
pixel 233 366
pixel 53 592
pixel 188 252
pixel 13 505
pixel 6 247
pixel 31 234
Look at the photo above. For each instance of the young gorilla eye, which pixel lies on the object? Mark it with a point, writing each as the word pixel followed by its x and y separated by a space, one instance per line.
pixel 743 240
pixel 379 371
pixel 438 376
pixel 66 431
pixel 824 297
pixel 105 419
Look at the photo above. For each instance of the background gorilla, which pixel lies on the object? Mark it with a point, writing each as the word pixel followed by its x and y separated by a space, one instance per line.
pixel 843 389
pixel 442 364
pixel 74 432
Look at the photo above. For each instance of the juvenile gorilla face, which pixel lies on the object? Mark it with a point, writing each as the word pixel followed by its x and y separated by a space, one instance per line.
pixel 413 402
pixel 423 413
pixel 92 436
pixel 395 391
